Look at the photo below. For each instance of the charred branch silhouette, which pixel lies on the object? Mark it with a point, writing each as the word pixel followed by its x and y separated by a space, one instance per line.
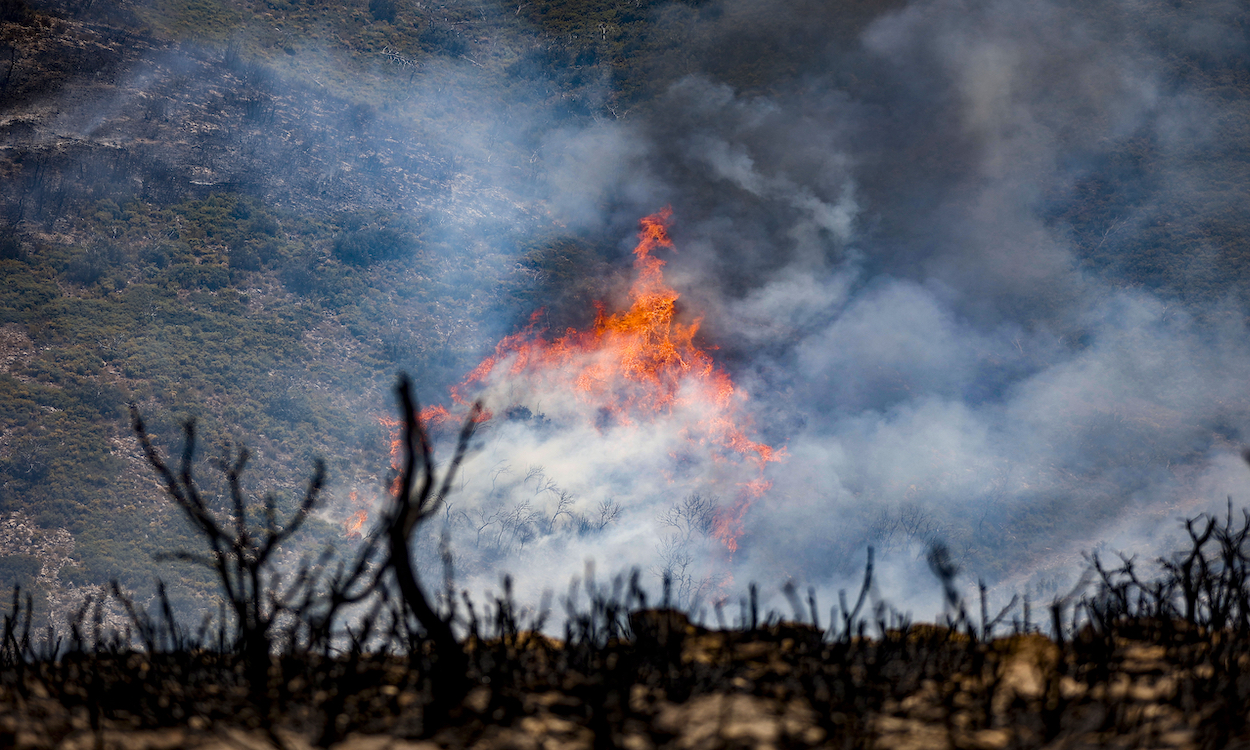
pixel 1130 655
pixel 420 495
pixel 239 553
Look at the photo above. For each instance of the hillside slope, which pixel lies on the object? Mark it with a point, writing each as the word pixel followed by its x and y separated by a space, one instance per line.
pixel 254 213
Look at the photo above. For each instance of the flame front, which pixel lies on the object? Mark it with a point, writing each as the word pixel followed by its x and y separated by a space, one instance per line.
pixel 631 367
pixel 353 525
pixel 394 428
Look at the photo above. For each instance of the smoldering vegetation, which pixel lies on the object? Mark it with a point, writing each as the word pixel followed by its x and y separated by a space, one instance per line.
pixel 360 650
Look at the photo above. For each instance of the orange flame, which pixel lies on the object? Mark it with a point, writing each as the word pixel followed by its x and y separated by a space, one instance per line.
pixel 352 526
pixel 635 365
pixel 394 427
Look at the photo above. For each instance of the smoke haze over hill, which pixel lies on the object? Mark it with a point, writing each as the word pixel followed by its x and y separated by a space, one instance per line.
pixel 974 263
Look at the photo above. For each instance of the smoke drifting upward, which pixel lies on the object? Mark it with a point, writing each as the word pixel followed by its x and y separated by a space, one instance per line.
pixel 977 266
pixel 928 250
pixel 636 378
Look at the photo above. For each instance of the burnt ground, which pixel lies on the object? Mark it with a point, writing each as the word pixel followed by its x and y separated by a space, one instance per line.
pixel 1125 660
pixel 785 685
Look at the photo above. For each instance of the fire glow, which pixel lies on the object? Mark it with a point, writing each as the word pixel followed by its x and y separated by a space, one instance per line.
pixel 630 368
pixel 354 525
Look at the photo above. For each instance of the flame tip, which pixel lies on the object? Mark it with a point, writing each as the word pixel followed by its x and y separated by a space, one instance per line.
pixel 635 364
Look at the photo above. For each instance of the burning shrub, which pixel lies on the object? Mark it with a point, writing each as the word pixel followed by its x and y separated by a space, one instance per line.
pixel 636 383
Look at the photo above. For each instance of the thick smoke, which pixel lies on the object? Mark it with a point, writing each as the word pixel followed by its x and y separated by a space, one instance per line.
pixel 876 240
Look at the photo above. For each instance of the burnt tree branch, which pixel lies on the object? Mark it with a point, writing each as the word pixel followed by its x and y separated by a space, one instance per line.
pixel 420 495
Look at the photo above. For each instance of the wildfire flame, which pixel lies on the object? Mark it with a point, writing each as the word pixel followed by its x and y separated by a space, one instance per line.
pixel 394 426
pixel 633 366
pixel 353 525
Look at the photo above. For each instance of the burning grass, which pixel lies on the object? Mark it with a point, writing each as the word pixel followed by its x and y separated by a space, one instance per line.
pixel 353 653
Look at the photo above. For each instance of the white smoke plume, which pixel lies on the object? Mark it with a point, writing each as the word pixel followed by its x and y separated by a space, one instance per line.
pixel 884 268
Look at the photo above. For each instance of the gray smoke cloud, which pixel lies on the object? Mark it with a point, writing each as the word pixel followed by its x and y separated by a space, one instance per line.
pixel 875 243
